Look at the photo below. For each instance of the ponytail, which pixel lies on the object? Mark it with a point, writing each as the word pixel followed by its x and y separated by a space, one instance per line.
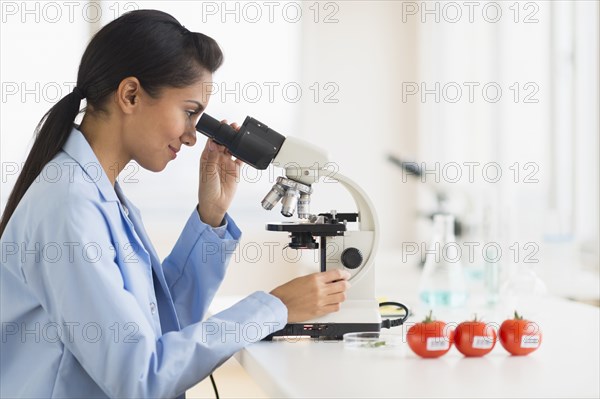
pixel 51 134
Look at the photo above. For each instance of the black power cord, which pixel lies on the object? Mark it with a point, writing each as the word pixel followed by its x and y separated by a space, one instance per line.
pixel 388 323
pixel 212 380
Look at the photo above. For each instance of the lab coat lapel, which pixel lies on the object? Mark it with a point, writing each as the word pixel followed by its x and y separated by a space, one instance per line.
pixel 142 236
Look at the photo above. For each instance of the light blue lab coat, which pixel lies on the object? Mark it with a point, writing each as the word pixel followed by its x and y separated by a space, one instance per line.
pixel 88 310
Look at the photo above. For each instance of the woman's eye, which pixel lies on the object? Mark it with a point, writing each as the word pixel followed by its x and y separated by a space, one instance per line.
pixel 190 113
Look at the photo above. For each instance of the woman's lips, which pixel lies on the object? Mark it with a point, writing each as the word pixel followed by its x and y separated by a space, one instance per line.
pixel 173 151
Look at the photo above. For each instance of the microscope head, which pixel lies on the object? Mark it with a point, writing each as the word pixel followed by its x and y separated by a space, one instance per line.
pixel 259 146
pixel 302 162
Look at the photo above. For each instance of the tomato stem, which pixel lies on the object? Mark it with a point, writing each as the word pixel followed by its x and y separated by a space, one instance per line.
pixel 517 317
pixel 429 318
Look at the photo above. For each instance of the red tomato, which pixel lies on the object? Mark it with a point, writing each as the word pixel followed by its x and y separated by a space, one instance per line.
pixel 429 338
pixel 520 337
pixel 474 338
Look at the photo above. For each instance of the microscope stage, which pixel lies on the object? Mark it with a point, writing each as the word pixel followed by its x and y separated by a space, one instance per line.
pixel 318 229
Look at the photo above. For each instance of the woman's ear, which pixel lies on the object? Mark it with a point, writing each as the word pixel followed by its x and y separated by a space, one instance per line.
pixel 128 93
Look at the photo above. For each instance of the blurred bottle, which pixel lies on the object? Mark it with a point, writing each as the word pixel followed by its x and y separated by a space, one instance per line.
pixel 443 282
pixel 491 256
pixel 524 291
pixel 491 281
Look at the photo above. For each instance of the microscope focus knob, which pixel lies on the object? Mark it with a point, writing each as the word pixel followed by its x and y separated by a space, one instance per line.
pixel 352 258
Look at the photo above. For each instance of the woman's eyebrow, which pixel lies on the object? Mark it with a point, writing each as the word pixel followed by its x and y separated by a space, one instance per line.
pixel 200 106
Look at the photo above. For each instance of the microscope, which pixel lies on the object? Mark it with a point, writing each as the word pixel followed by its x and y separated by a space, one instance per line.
pixel 344 240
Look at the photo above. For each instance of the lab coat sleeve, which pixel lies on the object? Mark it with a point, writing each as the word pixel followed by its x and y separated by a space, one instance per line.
pixel 112 336
pixel 221 230
pixel 196 266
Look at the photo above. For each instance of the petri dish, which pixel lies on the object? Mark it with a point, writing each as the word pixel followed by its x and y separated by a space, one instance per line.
pixel 371 340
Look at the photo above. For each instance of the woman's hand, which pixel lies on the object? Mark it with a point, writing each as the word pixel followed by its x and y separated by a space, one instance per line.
pixel 313 295
pixel 219 176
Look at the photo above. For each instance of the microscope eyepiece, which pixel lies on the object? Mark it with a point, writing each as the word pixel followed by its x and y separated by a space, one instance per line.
pixel 255 143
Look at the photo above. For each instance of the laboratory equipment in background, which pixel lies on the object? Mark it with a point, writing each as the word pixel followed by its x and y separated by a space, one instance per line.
pixel 346 240
pixel 443 282
pixel 441 195
pixel 476 227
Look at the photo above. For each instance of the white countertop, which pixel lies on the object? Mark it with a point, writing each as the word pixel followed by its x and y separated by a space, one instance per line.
pixel 567 364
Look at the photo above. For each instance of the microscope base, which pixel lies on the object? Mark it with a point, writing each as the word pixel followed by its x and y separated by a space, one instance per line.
pixel 354 316
pixel 322 331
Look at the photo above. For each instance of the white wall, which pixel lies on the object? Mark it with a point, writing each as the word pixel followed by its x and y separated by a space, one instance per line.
pixel 367 54
pixel 548 51
pixel 40 52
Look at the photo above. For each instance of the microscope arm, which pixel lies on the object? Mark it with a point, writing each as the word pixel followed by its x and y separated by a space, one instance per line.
pixel 367 218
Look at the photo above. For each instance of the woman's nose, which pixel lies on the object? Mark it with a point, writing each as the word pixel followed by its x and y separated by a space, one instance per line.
pixel 189 137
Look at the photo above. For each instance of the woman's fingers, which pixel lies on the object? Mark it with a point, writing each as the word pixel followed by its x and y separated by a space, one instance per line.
pixel 336 287
pixel 331 308
pixel 335 298
pixel 334 275
pixel 314 295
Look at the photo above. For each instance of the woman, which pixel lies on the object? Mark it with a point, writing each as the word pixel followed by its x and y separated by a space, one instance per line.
pixel 88 310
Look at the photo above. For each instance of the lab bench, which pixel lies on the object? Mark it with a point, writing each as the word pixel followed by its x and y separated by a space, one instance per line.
pixel 567 363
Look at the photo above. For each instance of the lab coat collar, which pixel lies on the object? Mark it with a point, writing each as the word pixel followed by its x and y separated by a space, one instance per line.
pixel 80 150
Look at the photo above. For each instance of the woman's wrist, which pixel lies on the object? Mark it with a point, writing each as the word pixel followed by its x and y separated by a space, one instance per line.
pixel 214 219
